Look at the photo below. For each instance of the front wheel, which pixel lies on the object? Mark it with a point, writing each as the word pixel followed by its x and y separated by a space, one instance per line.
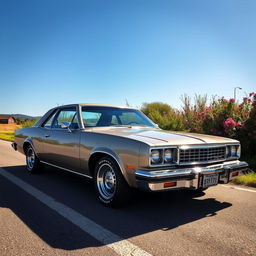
pixel 32 160
pixel 111 187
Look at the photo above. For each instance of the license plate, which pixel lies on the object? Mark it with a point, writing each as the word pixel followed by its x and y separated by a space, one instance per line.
pixel 210 180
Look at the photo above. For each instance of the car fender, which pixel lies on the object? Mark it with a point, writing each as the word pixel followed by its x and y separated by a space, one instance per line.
pixel 29 141
pixel 113 154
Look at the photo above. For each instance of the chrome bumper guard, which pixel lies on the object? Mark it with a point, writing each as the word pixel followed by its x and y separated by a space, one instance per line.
pixel 188 178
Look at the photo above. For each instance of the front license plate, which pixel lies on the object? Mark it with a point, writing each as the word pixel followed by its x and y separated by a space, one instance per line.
pixel 210 180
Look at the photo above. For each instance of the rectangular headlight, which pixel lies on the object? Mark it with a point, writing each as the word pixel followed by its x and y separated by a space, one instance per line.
pixel 163 156
pixel 233 151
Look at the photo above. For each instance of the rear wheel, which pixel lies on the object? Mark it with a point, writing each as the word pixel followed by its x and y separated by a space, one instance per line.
pixel 32 160
pixel 111 187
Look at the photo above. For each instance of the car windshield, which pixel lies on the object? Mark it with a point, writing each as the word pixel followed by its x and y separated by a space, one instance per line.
pixel 110 116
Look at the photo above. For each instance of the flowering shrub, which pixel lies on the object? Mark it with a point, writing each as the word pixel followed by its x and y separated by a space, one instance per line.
pixel 221 117
pixel 230 124
pixel 247 132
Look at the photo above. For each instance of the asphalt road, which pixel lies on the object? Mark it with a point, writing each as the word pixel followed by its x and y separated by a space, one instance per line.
pixel 56 213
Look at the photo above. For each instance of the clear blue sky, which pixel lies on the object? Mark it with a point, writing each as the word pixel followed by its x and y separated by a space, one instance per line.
pixel 59 52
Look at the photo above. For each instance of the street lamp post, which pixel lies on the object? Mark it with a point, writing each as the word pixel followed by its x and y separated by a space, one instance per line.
pixel 235 91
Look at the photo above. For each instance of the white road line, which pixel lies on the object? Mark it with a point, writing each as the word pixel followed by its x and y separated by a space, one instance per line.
pixel 243 189
pixel 115 242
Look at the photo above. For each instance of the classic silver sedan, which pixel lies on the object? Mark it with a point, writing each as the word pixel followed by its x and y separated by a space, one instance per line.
pixel 119 148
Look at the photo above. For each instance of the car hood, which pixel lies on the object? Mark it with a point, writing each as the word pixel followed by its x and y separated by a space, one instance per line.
pixel 155 137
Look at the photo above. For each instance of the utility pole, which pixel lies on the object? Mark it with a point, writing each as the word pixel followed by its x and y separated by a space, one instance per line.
pixel 235 91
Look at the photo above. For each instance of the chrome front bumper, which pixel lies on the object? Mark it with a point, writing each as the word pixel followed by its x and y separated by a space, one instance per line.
pixel 188 178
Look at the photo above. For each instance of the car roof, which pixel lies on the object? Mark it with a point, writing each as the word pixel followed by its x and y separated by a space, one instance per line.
pixel 46 115
pixel 94 105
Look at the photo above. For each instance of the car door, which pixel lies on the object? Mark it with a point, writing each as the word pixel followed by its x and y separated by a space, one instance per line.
pixel 62 140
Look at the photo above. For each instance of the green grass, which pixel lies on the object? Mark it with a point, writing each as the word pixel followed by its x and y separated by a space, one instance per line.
pixel 248 179
pixel 7 135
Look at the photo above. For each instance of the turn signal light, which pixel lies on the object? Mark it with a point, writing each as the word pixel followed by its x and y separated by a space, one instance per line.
pixel 234 174
pixel 130 167
pixel 170 184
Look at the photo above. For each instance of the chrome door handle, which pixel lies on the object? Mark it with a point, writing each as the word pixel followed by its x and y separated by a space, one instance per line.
pixel 47 135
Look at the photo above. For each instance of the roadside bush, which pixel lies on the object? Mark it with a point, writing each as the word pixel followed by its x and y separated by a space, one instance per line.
pixel 28 122
pixel 247 130
pixel 164 115
pixel 193 114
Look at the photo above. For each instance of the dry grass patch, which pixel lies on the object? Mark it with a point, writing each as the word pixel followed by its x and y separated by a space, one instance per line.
pixel 7 131
pixel 7 135
pixel 248 179
pixel 9 127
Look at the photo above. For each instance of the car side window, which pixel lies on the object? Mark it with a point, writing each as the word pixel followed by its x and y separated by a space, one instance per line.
pixel 65 116
pixel 90 119
pixel 114 120
pixel 48 123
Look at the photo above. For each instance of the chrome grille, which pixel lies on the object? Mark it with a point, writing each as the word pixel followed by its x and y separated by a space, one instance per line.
pixel 207 154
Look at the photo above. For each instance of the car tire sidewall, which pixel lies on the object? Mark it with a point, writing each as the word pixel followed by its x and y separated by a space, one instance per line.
pixel 99 164
pixel 121 184
pixel 36 161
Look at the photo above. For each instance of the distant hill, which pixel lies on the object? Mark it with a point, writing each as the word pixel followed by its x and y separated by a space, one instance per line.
pixel 21 116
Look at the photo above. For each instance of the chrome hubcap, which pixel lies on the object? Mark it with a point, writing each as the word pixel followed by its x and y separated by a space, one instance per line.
pixel 30 158
pixel 106 181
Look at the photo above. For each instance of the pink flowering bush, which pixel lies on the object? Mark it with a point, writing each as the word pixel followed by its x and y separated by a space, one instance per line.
pixel 230 119
pixel 230 124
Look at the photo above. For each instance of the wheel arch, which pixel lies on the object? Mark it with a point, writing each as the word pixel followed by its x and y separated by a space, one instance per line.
pixel 28 142
pixel 96 155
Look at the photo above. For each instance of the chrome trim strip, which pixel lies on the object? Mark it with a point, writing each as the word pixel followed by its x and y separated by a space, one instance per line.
pixel 80 119
pixel 163 174
pixel 205 162
pixel 178 154
pixel 236 165
pixel 67 170
pixel 209 145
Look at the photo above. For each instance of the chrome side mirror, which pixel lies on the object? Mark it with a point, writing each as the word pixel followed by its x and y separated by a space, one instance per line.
pixel 65 125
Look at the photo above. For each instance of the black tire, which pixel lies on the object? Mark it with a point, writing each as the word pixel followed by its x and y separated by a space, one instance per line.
pixel 32 161
pixel 111 187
